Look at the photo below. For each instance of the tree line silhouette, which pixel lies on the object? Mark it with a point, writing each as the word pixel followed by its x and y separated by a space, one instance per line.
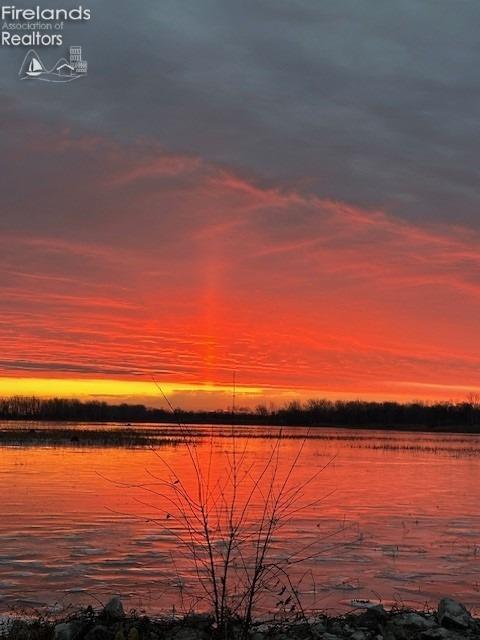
pixel 464 416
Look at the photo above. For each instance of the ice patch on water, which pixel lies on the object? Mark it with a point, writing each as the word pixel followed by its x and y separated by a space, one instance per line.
pixel 55 608
pixel 88 551
pixel 346 584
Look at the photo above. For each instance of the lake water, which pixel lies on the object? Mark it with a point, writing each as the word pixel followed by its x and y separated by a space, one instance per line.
pixel 399 518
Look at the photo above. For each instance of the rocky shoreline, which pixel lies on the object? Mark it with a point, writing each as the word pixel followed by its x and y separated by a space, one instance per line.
pixel 451 621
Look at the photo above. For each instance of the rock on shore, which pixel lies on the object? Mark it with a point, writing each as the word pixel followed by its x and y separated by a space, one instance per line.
pixel 451 621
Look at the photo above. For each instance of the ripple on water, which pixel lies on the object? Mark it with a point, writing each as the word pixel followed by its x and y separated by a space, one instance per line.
pixel 406 511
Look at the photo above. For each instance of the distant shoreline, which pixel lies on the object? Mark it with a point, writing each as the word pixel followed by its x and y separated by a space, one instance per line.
pixel 447 417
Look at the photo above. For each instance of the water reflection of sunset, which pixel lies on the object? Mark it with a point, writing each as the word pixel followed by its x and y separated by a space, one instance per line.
pixel 404 507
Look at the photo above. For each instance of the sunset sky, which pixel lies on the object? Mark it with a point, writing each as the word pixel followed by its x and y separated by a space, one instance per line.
pixel 285 190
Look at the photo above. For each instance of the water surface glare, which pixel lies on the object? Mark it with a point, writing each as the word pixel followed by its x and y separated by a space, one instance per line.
pixel 76 528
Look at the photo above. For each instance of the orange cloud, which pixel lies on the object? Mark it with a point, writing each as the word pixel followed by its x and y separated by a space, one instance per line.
pixel 168 265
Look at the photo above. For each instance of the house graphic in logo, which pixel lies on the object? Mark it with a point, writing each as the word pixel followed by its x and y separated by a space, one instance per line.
pixel 63 71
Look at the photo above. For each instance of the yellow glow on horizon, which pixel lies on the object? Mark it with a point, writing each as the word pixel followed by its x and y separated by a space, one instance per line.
pixel 202 395
pixel 105 388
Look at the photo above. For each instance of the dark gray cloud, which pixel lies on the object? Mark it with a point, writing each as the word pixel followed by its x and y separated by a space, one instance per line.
pixel 374 103
pixel 63 367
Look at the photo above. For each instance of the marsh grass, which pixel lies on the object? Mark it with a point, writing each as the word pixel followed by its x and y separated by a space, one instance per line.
pixel 74 437
pixel 153 436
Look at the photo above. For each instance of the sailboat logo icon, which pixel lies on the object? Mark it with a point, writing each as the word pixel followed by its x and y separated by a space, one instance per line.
pixel 35 68
pixel 32 67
